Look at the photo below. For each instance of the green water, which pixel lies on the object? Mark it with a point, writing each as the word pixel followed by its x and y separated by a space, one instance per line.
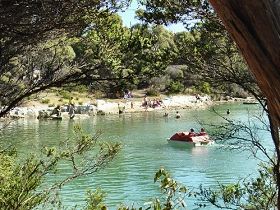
pixel 129 178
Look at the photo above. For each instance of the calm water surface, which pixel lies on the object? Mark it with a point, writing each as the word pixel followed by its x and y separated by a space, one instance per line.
pixel 129 178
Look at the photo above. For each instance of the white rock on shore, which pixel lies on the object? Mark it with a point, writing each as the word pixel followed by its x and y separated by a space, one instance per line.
pixel 125 105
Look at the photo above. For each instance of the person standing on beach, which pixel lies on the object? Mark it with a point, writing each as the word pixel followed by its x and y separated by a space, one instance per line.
pixel 121 108
pixel 56 111
pixel 71 111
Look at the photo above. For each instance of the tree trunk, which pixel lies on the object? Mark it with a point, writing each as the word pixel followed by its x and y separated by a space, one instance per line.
pixel 255 27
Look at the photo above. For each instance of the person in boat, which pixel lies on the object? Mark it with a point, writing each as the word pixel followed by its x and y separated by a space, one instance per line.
pixel 191 133
pixel 202 132
pixel 56 111
pixel 177 115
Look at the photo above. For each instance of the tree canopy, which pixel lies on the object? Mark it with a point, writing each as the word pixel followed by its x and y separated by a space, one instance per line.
pixel 47 44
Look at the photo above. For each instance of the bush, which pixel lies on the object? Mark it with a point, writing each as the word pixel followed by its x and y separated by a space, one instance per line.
pixel 45 101
pixel 65 94
pixel 204 87
pixel 160 83
pixel 21 182
pixel 175 87
pixel 152 92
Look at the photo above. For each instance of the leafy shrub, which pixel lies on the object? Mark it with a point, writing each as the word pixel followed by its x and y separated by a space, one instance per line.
pixel 160 83
pixel 45 101
pixel 204 87
pixel 175 87
pixel 175 71
pixel 152 92
pixel 21 182
pixel 65 94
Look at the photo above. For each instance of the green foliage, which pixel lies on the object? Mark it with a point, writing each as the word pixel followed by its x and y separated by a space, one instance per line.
pixel 65 94
pixel 175 192
pixel 175 87
pixel 45 101
pixel 152 92
pixel 160 83
pixel 206 50
pixel 204 87
pixel 127 57
pixel 21 182
pixel 95 200
pixel 256 193
pixel 175 73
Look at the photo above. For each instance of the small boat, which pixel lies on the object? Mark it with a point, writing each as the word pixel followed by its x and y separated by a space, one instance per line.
pixel 193 139
pixel 250 102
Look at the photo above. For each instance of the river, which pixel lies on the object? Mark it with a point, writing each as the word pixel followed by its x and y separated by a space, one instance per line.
pixel 129 178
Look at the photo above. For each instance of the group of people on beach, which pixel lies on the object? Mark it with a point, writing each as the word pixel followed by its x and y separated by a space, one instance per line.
pixel 156 102
pixel 71 110
pixel 127 94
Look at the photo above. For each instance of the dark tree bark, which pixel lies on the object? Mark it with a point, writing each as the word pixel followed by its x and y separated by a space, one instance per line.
pixel 255 27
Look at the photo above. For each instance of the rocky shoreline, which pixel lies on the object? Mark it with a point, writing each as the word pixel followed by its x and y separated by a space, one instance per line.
pixel 119 106
pixel 105 107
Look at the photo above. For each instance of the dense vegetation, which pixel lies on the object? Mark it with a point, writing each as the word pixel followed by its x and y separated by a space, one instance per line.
pixel 105 56
pixel 53 44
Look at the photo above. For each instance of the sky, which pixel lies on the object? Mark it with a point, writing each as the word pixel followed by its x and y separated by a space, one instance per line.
pixel 129 19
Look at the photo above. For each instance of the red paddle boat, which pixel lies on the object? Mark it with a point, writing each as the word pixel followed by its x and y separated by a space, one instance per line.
pixel 196 139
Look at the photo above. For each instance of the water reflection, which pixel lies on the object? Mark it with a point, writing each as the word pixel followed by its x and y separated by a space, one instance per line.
pixel 200 151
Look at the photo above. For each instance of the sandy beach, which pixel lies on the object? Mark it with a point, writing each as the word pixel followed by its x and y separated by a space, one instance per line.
pixel 86 106
pixel 92 107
